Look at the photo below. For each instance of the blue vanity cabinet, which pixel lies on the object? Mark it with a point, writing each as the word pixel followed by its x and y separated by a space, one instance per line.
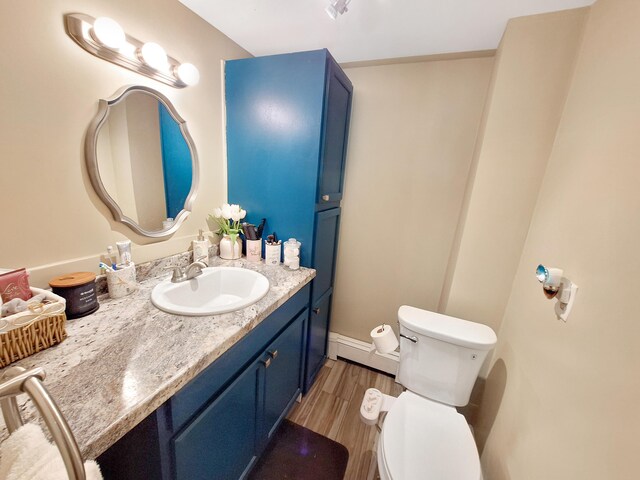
pixel 325 245
pixel 318 327
pixel 287 130
pixel 282 375
pixel 224 440
pixel 221 442
pixel 220 422
pixel 326 239
pixel 336 128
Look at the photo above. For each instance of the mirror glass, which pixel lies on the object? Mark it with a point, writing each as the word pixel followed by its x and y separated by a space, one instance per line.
pixel 145 161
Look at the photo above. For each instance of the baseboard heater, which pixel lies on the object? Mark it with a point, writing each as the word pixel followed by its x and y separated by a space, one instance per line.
pixel 360 352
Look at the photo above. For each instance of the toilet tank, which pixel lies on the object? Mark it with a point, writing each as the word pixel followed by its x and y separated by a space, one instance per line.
pixel 444 362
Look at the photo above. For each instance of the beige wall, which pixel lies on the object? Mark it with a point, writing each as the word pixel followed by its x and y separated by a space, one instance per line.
pixel 53 222
pixel 413 130
pixel 533 68
pixel 147 171
pixel 569 406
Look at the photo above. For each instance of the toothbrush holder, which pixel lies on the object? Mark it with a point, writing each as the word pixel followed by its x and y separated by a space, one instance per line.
pixel 254 250
pixel 122 282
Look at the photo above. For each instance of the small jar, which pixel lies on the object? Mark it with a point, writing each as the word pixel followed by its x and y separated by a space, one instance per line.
pixel 79 290
pixel 292 254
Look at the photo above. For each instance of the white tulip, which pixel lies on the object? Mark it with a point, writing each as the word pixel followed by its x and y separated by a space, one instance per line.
pixel 217 213
pixel 235 215
pixel 243 213
pixel 226 210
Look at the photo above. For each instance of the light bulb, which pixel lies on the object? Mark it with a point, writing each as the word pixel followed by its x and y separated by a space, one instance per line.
pixel 108 32
pixel 154 56
pixel 188 74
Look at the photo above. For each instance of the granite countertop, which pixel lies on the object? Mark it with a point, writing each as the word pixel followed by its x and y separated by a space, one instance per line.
pixel 122 362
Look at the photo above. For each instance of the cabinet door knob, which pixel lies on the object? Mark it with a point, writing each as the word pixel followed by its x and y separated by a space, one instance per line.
pixel 266 362
pixel 325 198
pixel 316 311
pixel 273 353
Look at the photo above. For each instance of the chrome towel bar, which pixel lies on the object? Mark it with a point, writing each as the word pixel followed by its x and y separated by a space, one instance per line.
pixel 17 380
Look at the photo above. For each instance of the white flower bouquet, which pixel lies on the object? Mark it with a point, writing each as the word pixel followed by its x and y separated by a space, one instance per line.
pixel 228 219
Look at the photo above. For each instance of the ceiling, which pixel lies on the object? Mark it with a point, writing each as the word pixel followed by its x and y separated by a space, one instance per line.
pixel 371 29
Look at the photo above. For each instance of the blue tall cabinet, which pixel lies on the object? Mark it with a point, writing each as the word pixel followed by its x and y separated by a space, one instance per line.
pixel 287 129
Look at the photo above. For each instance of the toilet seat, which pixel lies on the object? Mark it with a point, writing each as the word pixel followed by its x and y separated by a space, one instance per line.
pixel 425 440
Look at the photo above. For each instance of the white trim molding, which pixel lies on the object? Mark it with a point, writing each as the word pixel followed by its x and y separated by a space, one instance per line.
pixel 362 353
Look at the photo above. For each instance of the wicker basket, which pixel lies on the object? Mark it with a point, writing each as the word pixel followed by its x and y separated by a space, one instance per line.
pixel 29 332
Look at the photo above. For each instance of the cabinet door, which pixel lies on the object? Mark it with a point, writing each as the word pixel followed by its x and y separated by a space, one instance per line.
pixel 221 442
pixel 324 255
pixel 283 374
pixel 336 128
pixel 317 338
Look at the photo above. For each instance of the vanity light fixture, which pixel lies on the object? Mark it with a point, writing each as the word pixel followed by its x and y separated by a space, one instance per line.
pixel 337 7
pixel 105 38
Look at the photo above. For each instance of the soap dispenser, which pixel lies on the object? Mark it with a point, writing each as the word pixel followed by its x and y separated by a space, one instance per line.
pixel 201 248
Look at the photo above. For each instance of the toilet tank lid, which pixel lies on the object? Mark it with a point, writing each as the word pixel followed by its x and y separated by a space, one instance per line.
pixel 448 329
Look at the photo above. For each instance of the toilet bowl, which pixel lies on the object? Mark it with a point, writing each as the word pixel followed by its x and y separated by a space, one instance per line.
pixel 423 436
pixel 426 440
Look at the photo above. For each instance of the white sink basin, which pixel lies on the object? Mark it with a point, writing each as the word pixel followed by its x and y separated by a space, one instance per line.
pixel 217 290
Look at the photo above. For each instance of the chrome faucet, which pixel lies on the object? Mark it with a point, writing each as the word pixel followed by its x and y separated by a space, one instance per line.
pixel 188 273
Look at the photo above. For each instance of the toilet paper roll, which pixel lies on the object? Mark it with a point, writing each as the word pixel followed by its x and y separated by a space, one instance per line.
pixel 384 339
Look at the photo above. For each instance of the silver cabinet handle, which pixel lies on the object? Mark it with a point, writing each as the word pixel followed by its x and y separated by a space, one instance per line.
pixel 325 198
pixel 266 362
pixel 273 353
pixel 316 311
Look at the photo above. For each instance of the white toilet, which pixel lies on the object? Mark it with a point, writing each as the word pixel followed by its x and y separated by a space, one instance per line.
pixel 423 436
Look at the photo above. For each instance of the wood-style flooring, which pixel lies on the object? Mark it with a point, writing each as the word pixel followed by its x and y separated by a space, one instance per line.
pixel 332 408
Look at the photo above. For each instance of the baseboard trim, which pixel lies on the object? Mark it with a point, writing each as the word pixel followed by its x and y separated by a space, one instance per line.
pixel 360 352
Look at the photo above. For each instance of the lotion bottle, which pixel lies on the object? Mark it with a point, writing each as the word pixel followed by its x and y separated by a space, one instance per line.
pixel 201 248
